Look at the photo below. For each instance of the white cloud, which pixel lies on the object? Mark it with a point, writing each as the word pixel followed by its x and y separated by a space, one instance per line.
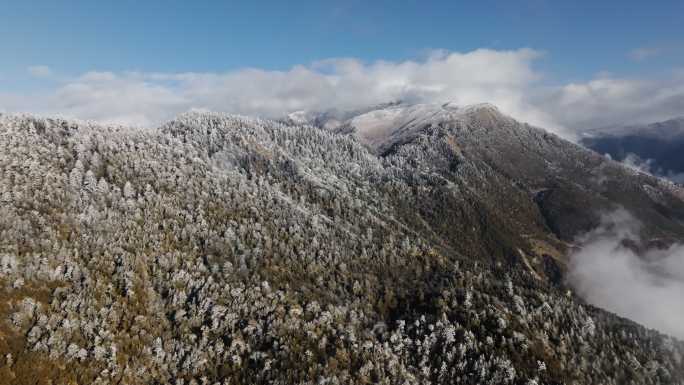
pixel 499 77
pixel 505 78
pixel 608 100
pixel 646 286
pixel 40 71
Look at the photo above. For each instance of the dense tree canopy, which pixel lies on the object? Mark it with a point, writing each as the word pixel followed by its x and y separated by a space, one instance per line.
pixel 226 250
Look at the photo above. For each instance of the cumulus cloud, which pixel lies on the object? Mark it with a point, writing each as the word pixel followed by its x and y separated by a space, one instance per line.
pixel 644 285
pixel 508 79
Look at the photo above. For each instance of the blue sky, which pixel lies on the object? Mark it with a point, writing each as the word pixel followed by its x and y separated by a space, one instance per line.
pixel 598 49
pixel 580 38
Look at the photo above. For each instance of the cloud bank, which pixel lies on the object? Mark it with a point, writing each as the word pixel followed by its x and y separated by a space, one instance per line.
pixel 610 101
pixel 508 79
pixel 647 286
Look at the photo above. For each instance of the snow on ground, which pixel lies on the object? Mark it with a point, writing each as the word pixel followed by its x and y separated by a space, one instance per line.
pixel 391 124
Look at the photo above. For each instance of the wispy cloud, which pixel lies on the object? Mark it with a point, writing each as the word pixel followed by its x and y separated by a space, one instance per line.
pixel 39 71
pixel 643 53
pixel 649 166
pixel 662 49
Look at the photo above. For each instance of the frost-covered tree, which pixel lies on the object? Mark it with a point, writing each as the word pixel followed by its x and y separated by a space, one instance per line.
pixel 227 250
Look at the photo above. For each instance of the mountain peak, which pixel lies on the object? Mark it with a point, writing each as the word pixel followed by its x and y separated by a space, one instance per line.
pixel 390 123
pixel 467 108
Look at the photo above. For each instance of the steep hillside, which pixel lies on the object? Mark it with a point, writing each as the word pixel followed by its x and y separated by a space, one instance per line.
pixel 515 171
pixel 229 250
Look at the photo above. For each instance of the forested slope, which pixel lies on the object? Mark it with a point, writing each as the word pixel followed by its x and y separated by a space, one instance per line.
pixel 230 250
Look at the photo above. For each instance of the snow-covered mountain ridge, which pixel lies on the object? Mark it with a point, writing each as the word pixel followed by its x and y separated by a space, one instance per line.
pixel 380 127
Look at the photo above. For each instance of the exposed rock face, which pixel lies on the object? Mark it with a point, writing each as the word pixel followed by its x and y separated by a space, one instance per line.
pixel 402 244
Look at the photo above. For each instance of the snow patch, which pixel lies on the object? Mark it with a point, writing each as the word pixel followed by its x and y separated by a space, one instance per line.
pixel 387 125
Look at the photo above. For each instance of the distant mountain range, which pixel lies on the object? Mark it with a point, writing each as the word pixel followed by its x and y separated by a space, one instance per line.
pixel 398 244
pixel 657 148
